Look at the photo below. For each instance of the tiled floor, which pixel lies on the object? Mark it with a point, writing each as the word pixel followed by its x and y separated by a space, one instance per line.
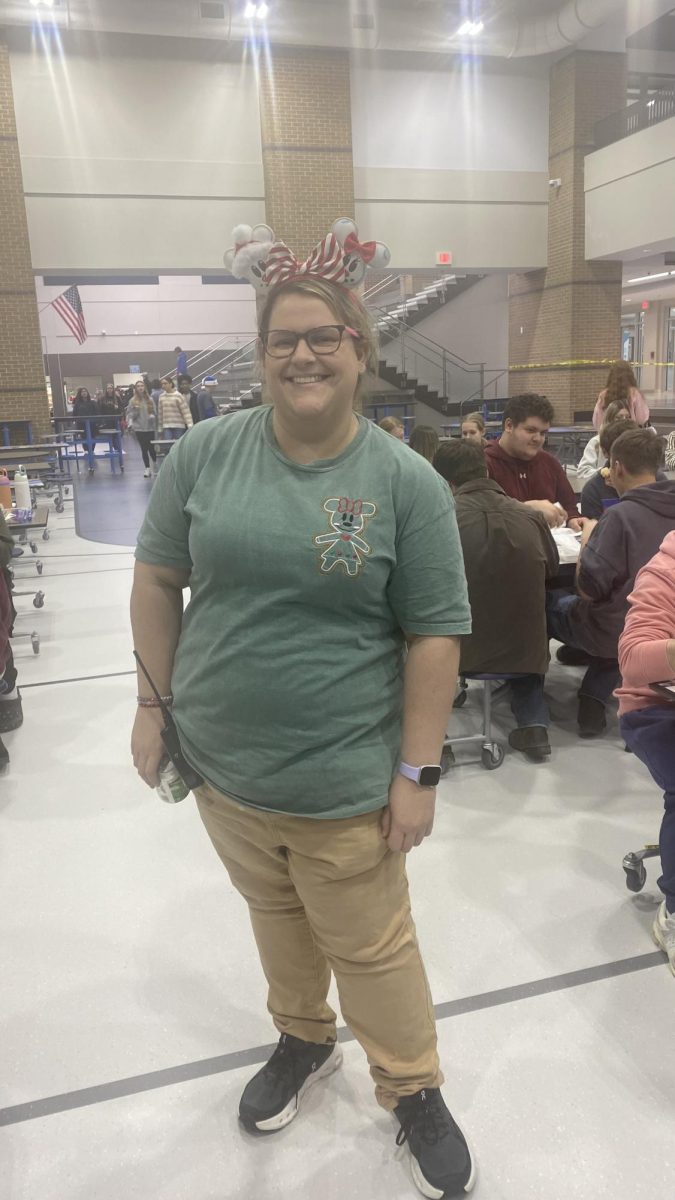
pixel 133 1006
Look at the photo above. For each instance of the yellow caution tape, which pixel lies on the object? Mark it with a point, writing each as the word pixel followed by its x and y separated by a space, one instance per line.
pixel 584 362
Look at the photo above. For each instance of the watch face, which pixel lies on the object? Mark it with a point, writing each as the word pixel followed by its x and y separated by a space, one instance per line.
pixel 430 776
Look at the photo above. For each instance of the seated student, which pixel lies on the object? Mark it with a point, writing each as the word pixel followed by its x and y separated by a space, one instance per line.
pixel 473 429
pixel 598 494
pixel 646 656
pixel 526 472
pixel 593 459
pixel 598 488
pixel 11 713
pixel 424 440
pixel 508 555
pixel 613 551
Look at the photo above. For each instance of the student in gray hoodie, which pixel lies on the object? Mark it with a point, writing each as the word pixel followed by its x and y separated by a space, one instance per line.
pixel 613 551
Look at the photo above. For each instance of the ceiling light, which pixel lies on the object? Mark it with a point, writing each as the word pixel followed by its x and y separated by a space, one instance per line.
pixel 649 278
pixel 470 29
pixel 263 10
pixel 249 12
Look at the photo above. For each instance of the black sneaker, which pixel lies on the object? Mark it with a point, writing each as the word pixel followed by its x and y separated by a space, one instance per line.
pixel 441 1160
pixel 272 1098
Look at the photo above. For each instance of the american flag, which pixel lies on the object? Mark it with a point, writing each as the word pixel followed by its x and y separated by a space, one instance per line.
pixel 69 307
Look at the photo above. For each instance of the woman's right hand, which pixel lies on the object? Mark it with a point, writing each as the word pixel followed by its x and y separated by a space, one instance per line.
pixel 147 746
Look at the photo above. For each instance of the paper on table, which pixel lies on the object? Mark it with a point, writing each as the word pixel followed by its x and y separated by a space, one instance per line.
pixel 568 543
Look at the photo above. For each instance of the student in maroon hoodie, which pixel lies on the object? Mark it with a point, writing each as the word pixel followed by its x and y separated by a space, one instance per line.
pixel 524 470
pixel 613 550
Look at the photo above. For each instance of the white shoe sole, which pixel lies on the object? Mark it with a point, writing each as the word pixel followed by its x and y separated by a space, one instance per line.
pixel 290 1112
pixel 657 938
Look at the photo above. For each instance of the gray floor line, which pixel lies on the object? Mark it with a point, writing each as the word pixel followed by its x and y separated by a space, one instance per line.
pixel 202 1068
pixel 76 679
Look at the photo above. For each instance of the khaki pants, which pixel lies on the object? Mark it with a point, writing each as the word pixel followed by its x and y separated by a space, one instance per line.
pixel 330 895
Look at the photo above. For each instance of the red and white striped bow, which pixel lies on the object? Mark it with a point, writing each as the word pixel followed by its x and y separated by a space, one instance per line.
pixel 326 261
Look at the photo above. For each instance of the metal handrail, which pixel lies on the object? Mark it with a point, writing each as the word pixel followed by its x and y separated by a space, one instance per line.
pixel 379 287
pixel 442 351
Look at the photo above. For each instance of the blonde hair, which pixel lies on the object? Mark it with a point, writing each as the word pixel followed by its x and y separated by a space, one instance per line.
pixel 389 424
pixel 477 419
pixel 136 401
pixel 346 308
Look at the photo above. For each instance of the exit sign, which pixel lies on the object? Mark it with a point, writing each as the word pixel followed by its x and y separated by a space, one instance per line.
pixel 443 258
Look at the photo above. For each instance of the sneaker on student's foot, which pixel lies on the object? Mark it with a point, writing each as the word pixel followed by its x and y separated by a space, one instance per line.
pixel 11 713
pixel 441 1161
pixel 663 933
pixel 272 1098
pixel 146 473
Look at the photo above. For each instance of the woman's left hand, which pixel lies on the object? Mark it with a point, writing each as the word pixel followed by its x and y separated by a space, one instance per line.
pixel 409 816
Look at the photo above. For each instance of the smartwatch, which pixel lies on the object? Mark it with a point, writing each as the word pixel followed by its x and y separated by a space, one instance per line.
pixel 426 777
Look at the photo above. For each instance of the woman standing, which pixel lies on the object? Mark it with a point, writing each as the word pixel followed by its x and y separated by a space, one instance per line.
pixel 174 415
pixel 142 419
pixel 622 389
pixel 339 548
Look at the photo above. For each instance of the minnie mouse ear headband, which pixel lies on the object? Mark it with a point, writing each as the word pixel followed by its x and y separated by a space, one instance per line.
pixel 267 263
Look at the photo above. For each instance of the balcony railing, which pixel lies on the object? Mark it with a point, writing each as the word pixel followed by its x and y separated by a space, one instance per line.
pixel 642 115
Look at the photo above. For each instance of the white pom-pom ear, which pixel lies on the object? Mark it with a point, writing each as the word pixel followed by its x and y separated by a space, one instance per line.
pixel 241 234
pixel 382 256
pixel 342 229
pixel 262 233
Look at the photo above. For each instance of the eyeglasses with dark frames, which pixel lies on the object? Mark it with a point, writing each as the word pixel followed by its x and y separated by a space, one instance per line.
pixel 322 340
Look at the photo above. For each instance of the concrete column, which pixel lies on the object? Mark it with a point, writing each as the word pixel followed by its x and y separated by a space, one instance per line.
pixel 23 394
pixel 305 111
pixel 571 311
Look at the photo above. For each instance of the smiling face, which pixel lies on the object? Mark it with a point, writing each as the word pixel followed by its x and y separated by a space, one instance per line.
pixel 524 441
pixel 309 386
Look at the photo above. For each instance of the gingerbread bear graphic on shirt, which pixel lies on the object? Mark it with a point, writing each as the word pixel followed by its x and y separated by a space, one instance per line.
pixel 343 545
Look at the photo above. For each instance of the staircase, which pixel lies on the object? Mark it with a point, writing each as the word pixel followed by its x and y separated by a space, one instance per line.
pixel 421 370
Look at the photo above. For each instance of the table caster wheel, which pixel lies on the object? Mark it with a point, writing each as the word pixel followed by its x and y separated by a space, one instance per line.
pixel 45 535
pixel 66 491
pixel 636 873
pixel 40 566
pixel 33 546
pixel 58 508
pixel 35 642
pixel 492 756
pixel 39 600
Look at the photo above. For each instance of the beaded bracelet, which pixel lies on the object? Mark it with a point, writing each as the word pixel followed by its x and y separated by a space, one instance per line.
pixel 153 702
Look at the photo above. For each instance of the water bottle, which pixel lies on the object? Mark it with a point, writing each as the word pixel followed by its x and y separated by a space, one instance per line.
pixel 5 491
pixel 22 494
pixel 172 787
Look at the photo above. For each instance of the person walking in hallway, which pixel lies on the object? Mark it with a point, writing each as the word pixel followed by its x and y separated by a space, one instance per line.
pixel 142 418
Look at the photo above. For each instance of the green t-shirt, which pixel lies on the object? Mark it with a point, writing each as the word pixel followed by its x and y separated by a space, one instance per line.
pixel 287 679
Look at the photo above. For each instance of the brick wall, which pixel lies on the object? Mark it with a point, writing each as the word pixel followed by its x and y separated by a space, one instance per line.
pixel 305 112
pixel 22 382
pixel 572 310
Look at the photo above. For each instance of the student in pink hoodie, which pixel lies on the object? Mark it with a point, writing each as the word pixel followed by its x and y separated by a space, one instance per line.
pixel 647 655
